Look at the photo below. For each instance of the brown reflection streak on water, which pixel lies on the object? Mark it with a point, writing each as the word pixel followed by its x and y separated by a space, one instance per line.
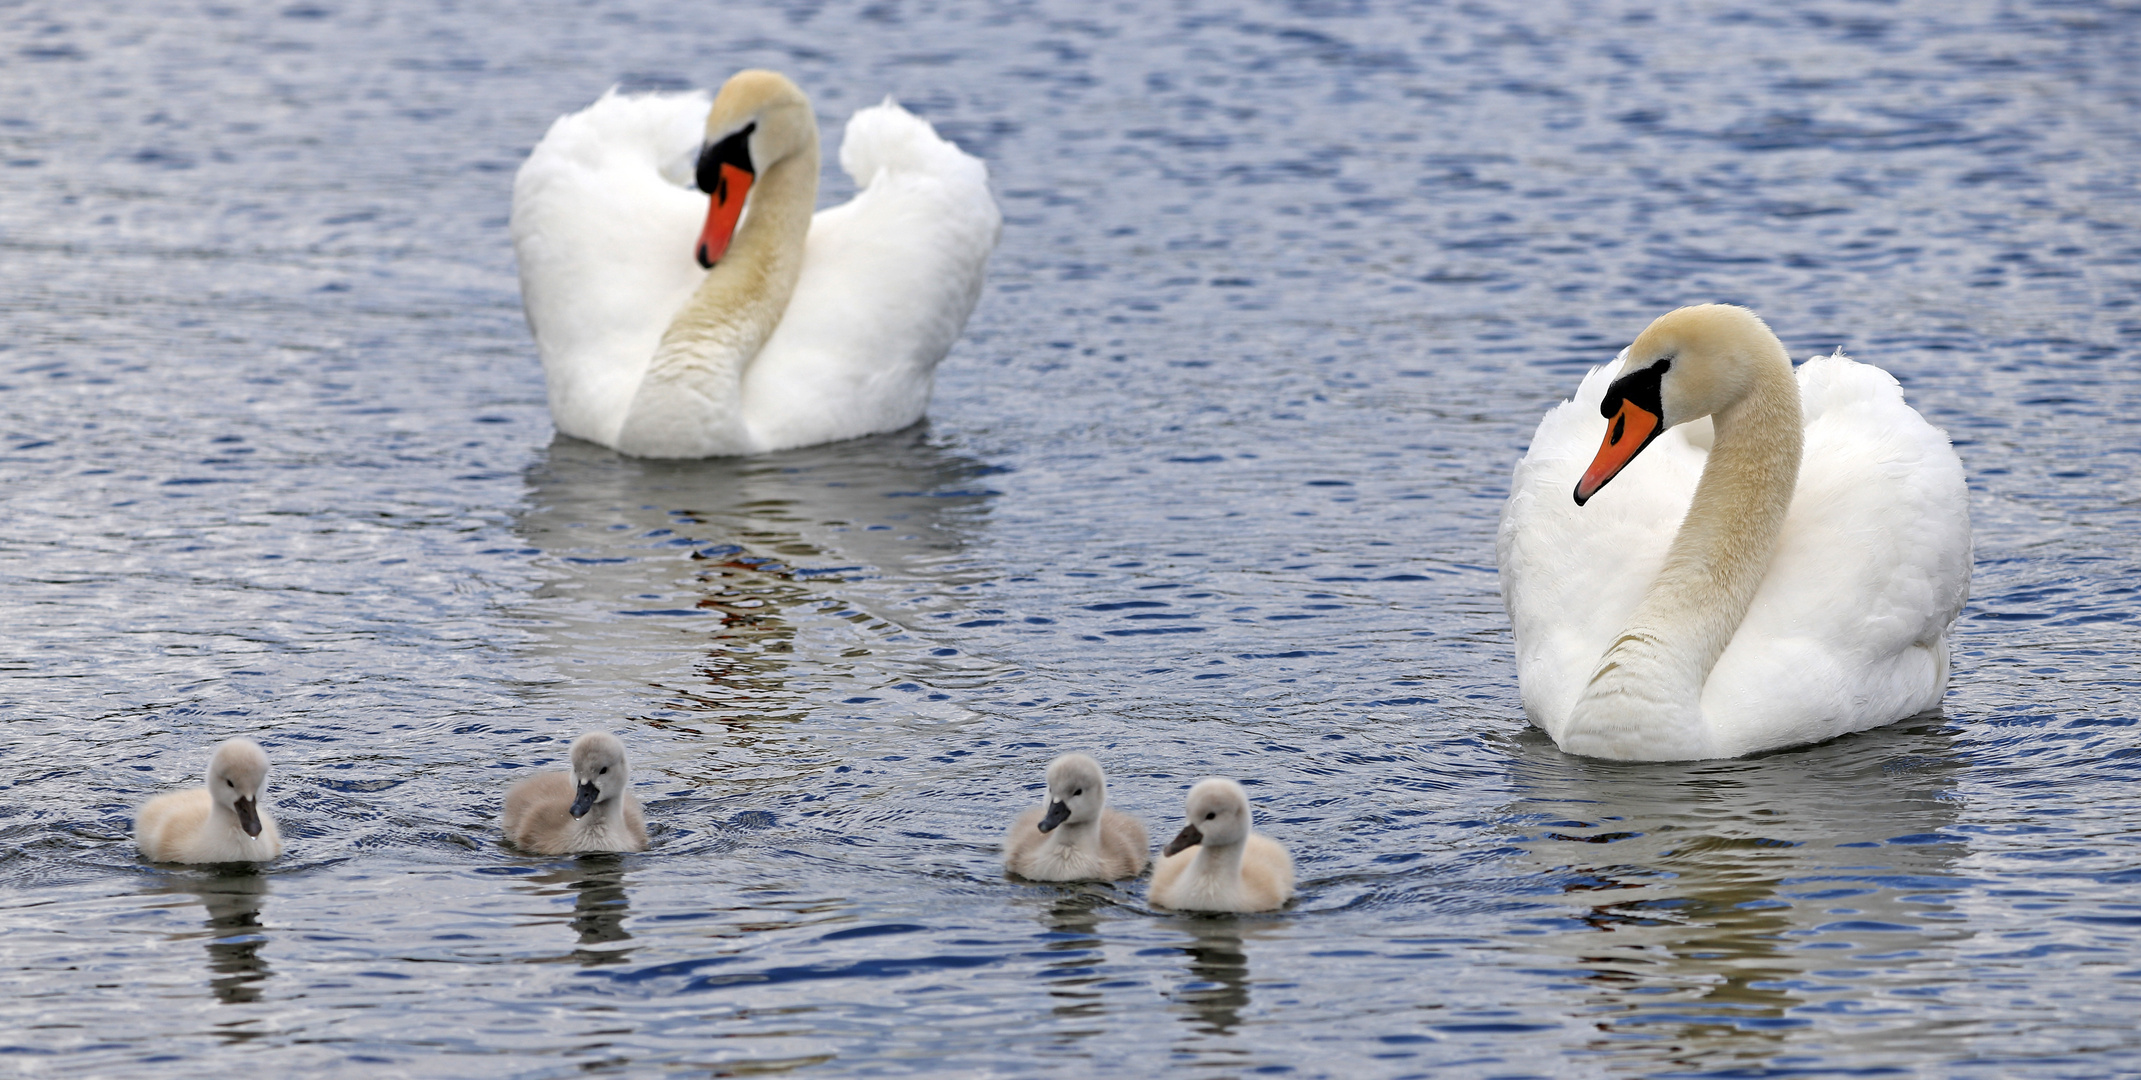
pixel 750 583
pixel 1755 889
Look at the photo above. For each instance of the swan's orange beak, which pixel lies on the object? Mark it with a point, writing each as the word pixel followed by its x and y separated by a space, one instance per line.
pixel 1632 429
pixel 730 186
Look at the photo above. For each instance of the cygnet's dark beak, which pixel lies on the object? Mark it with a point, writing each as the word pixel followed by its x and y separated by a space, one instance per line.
pixel 1058 813
pixel 585 800
pixel 248 816
pixel 1188 838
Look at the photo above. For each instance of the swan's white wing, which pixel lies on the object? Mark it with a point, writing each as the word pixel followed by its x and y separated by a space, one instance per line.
pixel 604 219
pixel 1849 629
pixel 1571 575
pixel 888 281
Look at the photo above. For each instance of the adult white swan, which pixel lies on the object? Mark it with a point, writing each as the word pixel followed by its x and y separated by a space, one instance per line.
pixel 1782 566
pixel 679 321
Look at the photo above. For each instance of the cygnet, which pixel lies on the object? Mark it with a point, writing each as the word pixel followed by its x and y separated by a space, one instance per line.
pixel 223 822
pixel 587 809
pixel 1073 836
pixel 1215 863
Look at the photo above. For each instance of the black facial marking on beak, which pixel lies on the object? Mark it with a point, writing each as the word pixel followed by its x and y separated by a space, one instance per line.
pixel 248 816
pixel 585 800
pixel 1188 838
pixel 725 174
pixel 1058 813
pixel 1633 404
pixel 1642 387
pixel 733 150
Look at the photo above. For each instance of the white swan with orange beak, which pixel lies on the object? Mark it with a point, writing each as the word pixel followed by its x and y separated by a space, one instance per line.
pixel 687 303
pixel 1781 566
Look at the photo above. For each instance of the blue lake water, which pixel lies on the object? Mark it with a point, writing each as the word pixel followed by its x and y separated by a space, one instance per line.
pixel 1209 486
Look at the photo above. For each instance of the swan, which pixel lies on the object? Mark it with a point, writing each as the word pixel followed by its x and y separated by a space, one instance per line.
pixel 682 323
pixel 1215 863
pixel 1073 836
pixel 1782 567
pixel 586 809
pixel 222 822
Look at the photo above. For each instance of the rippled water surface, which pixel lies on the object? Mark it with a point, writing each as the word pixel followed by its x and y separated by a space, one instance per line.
pixel 1209 486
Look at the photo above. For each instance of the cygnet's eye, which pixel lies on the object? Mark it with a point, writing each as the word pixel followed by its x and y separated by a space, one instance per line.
pixel 603 771
pixel 228 782
pixel 1077 793
pixel 1210 814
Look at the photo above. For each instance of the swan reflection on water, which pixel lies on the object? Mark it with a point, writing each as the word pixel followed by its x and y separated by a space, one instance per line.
pixel 1716 898
pixel 815 560
pixel 233 935
pixel 600 906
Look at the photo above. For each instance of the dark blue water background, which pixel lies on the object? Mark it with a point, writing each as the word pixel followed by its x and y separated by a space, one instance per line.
pixel 1209 486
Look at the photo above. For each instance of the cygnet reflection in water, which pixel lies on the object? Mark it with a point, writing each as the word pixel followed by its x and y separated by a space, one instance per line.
pixel 1724 894
pixel 1215 992
pixel 1075 953
pixel 600 905
pixel 233 934
pixel 847 539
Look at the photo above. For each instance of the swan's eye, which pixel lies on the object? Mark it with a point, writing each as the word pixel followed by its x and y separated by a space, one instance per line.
pixel 1077 793
pixel 1209 815
pixel 603 771
pixel 230 783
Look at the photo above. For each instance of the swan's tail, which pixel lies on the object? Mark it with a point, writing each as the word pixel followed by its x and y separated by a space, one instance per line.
pixel 887 138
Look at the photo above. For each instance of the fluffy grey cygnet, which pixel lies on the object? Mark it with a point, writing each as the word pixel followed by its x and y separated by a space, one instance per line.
pixel 1073 836
pixel 223 822
pixel 587 809
pixel 1216 863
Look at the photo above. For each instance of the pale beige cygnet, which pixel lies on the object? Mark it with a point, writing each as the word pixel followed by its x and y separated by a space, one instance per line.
pixel 586 809
pixel 223 822
pixel 1073 836
pixel 1216 863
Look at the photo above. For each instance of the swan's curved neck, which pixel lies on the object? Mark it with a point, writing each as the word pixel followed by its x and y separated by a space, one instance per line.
pixel 1644 700
pixel 690 403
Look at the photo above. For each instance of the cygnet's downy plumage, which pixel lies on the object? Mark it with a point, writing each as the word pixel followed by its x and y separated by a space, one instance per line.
pixel 1216 863
pixel 227 821
pixel 587 809
pixel 1073 836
